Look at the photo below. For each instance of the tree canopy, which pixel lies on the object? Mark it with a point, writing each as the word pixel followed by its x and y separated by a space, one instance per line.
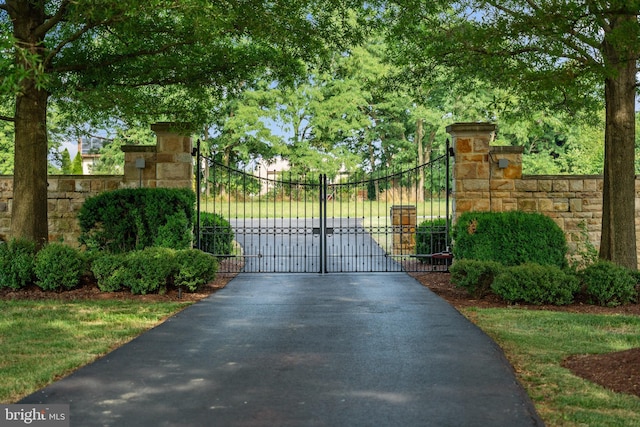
pixel 570 55
pixel 128 59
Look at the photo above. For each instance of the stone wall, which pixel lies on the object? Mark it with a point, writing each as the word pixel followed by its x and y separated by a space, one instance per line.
pixel 489 178
pixel 166 164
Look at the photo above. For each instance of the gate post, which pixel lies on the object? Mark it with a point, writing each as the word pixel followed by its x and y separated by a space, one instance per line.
pixel 472 170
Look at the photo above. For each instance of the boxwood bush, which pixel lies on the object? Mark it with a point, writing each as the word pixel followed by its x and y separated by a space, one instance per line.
pixel 216 235
pixel 536 284
pixel 133 219
pixel 59 266
pixel 608 284
pixel 510 238
pixel 153 269
pixel 475 276
pixel 17 262
pixel 194 268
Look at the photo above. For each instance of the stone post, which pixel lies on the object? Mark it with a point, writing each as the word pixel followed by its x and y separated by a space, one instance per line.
pixel 174 165
pixel 471 170
pixel 168 164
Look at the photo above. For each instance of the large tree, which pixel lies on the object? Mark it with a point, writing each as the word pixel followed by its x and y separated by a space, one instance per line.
pixel 571 54
pixel 132 58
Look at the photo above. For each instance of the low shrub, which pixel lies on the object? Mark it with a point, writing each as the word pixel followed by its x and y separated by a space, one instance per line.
pixel 59 266
pixel 152 269
pixel 194 269
pixel 536 284
pixel 510 238
pixel 431 238
pixel 475 276
pixel 149 270
pixel 608 284
pixel 110 271
pixel 17 261
pixel 216 234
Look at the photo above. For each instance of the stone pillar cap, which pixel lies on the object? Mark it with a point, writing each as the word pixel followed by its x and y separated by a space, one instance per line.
pixel 471 127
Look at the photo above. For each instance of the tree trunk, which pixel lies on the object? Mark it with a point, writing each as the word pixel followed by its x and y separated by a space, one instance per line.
pixel 618 239
pixel 29 212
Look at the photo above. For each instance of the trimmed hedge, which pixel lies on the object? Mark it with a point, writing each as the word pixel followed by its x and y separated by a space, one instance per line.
pixel 608 284
pixel 536 284
pixel 216 234
pixel 133 219
pixel 510 238
pixel 58 266
pixel 153 269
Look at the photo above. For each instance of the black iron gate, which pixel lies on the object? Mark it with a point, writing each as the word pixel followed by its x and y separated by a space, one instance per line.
pixel 276 222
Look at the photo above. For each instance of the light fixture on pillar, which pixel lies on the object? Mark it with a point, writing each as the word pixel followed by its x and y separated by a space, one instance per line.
pixel 503 163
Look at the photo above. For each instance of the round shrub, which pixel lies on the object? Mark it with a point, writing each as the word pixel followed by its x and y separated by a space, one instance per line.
pixel 17 260
pixel 608 284
pixel 110 271
pixel 194 269
pixel 149 270
pixel 58 266
pixel 536 284
pixel 475 276
pixel 510 238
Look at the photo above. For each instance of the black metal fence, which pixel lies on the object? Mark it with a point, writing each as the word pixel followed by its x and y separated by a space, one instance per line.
pixel 279 222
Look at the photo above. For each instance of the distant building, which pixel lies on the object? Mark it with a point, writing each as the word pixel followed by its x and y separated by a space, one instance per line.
pixel 89 149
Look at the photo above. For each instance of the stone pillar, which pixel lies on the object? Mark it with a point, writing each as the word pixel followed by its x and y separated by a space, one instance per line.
pixel 471 171
pixel 167 164
pixel 174 165
pixel 139 166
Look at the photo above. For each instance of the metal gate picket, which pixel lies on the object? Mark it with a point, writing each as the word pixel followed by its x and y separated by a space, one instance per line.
pixel 283 223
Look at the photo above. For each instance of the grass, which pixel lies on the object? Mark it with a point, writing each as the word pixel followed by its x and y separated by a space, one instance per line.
pixel 536 342
pixel 43 341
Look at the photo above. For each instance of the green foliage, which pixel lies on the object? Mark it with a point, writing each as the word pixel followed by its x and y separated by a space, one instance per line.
pixel 130 219
pixel 536 284
pixel 59 266
pixel 17 260
pixel 608 284
pixel 149 270
pixel 511 238
pixel 216 235
pixel 431 238
pixel 194 269
pixel 65 162
pixel 76 166
pixel 584 252
pixel 152 269
pixel 110 271
pixel 176 233
pixel 475 276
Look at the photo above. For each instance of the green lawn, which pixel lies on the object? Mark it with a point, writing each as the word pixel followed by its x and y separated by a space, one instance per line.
pixel 536 342
pixel 42 341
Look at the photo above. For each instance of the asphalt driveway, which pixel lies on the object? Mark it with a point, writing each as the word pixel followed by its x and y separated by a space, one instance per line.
pixel 303 350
